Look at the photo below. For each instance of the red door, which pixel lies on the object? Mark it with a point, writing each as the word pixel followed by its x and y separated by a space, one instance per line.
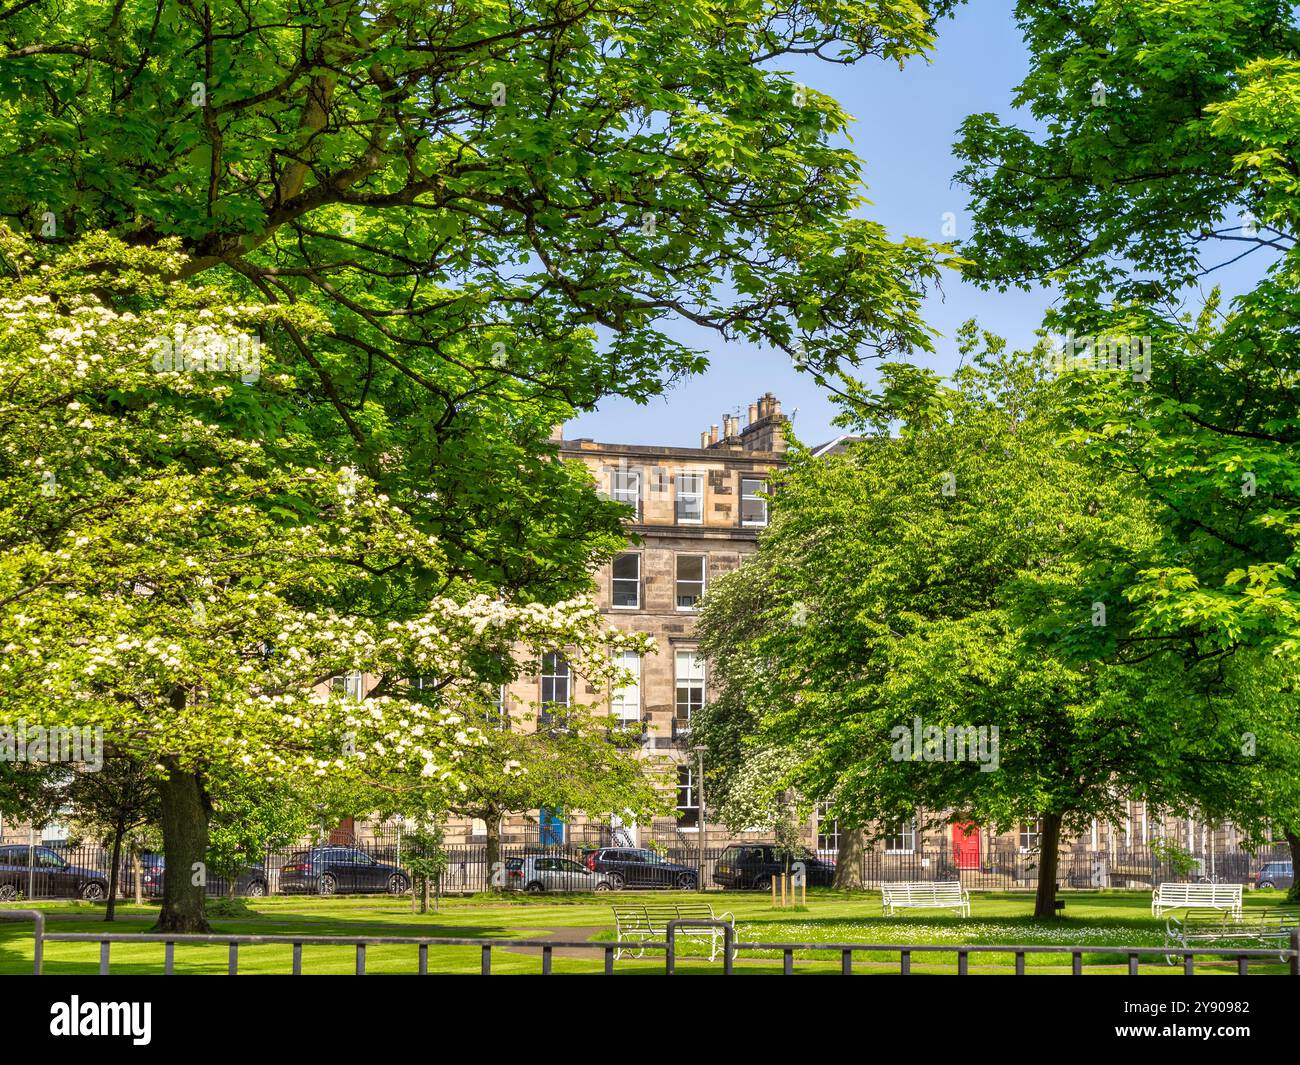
pixel 966 844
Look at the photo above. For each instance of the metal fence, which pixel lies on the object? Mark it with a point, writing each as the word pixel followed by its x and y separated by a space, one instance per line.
pixel 52 870
pixel 732 949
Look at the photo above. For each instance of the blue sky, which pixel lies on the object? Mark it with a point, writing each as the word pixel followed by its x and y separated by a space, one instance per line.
pixel 906 122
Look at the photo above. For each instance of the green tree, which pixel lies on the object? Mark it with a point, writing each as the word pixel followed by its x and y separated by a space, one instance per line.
pixel 188 583
pixel 1167 147
pixel 250 816
pixel 111 804
pixel 954 578
pixel 497 174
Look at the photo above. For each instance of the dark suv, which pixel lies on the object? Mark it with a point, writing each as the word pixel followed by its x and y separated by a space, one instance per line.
pixel 634 867
pixel 52 877
pixel 753 865
pixel 331 870
pixel 1275 875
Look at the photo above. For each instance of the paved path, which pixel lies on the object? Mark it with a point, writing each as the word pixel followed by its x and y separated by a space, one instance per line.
pixel 565 935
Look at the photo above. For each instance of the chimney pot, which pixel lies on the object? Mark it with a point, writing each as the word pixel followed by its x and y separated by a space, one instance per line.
pixel 713 434
pixel 776 408
pixel 704 438
pixel 753 413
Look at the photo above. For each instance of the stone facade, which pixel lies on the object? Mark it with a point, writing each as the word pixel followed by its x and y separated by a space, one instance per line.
pixel 698 514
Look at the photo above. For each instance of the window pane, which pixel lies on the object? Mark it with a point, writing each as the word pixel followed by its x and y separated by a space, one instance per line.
pixel 690 686
pixel 626 588
pixel 555 687
pixel 686 805
pixel 690 497
pixel 625 703
pixel 690 581
pixel 753 509
pixel 626 488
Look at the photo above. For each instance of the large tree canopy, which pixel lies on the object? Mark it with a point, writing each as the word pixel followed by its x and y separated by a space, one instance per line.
pixel 187 581
pixel 961 576
pixel 498 202
pixel 1164 135
pixel 1168 147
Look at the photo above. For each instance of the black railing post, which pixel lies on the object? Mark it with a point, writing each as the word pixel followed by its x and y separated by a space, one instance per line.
pixel 1295 952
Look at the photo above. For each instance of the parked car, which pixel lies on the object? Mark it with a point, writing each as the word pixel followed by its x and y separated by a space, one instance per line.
pixel 754 865
pixel 1275 875
pixel 334 869
pixel 252 882
pixel 52 877
pixel 539 873
pixel 635 867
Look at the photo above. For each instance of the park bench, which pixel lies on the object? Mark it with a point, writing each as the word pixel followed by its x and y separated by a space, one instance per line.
pixel 637 922
pixel 925 894
pixel 1199 896
pixel 1217 926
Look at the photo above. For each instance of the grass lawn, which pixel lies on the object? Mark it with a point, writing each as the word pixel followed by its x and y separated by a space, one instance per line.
pixel 1095 919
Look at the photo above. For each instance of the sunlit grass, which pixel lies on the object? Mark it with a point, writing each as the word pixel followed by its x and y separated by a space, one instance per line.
pixel 1096 920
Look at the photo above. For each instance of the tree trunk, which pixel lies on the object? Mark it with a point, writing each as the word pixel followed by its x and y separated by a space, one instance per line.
pixel 424 894
pixel 185 845
pixel 1293 841
pixel 137 874
pixel 110 909
pixel 848 864
pixel 493 850
pixel 1049 853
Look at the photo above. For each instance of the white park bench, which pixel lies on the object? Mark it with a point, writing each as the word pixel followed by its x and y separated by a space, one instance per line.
pixel 925 894
pixel 1196 896
pixel 1220 928
pixel 637 922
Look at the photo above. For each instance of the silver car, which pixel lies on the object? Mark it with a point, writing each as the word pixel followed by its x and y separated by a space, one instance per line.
pixel 538 873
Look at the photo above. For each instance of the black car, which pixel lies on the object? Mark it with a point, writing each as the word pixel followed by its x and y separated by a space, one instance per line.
pixel 337 869
pixel 52 876
pixel 1275 875
pixel 635 867
pixel 754 865
pixel 252 882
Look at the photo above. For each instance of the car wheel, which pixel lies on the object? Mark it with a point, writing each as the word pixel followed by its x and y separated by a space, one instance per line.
pixel 618 880
pixel 763 883
pixel 535 888
pixel 256 889
pixel 604 885
pixel 1267 884
pixel 686 881
pixel 8 892
pixel 397 884
pixel 94 892
pixel 328 885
